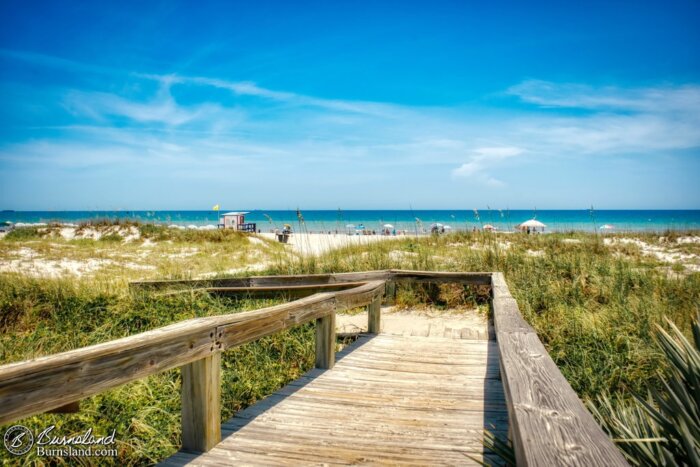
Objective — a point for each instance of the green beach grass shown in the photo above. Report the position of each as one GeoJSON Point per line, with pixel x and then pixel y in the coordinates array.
{"type": "Point", "coordinates": [594, 305]}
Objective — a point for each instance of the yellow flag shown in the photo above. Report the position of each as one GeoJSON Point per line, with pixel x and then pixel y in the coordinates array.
{"type": "Point", "coordinates": [216, 207]}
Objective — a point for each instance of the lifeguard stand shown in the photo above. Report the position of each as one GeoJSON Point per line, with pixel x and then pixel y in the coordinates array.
{"type": "Point", "coordinates": [236, 221]}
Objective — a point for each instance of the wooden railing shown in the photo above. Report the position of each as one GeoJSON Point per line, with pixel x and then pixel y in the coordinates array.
{"type": "Point", "coordinates": [548, 423]}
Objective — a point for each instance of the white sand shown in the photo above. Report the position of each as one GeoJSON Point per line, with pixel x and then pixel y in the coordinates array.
{"type": "Point", "coordinates": [128, 234]}
{"type": "Point", "coordinates": [316, 244]}
{"type": "Point", "coordinates": [663, 253]}
{"type": "Point", "coordinates": [429, 323]}
{"type": "Point", "coordinates": [40, 267]}
{"type": "Point", "coordinates": [30, 262]}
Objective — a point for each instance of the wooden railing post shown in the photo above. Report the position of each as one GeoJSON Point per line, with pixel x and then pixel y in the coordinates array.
{"type": "Point", "coordinates": [374, 315]}
{"type": "Point", "coordinates": [325, 342]}
{"type": "Point", "coordinates": [201, 399]}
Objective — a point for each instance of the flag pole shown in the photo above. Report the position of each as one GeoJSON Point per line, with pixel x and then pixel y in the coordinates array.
{"type": "Point", "coordinates": [218, 215]}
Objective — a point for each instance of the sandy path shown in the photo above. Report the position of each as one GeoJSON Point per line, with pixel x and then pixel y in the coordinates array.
{"type": "Point", "coordinates": [316, 244]}
{"type": "Point", "coordinates": [464, 325]}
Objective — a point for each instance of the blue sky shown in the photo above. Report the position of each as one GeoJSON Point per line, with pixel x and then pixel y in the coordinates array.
{"type": "Point", "coordinates": [274, 105]}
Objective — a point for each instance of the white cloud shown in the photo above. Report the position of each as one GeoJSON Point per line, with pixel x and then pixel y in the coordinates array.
{"type": "Point", "coordinates": [162, 108]}
{"type": "Point", "coordinates": [614, 120]}
{"type": "Point", "coordinates": [655, 100]}
{"type": "Point", "coordinates": [483, 159]}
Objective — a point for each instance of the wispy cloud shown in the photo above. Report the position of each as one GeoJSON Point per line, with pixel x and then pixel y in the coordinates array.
{"type": "Point", "coordinates": [161, 108]}
{"type": "Point", "coordinates": [485, 158]}
{"type": "Point", "coordinates": [248, 88]}
{"type": "Point", "coordinates": [655, 100]}
{"type": "Point", "coordinates": [617, 120]}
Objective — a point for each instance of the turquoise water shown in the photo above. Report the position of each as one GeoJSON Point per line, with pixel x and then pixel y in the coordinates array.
{"type": "Point", "coordinates": [332, 220]}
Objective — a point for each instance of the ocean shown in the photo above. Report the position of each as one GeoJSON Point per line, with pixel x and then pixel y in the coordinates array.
{"type": "Point", "coordinates": [400, 220]}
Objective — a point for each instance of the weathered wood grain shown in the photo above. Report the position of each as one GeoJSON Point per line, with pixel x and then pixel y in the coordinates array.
{"type": "Point", "coordinates": [265, 281]}
{"type": "Point", "coordinates": [374, 315]}
{"type": "Point", "coordinates": [325, 418]}
{"type": "Point", "coordinates": [549, 423]}
{"type": "Point", "coordinates": [325, 342]}
{"type": "Point", "coordinates": [359, 296]}
{"type": "Point", "coordinates": [247, 327]}
{"type": "Point", "coordinates": [280, 290]}
{"type": "Point", "coordinates": [201, 411]}
{"type": "Point", "coordinates": [42, 384]}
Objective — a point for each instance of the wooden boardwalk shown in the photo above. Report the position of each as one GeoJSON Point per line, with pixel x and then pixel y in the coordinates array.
{"type": "Point", "coordinates": [391, 399]}
{"type": "Point", "coordinates": [388, 400]}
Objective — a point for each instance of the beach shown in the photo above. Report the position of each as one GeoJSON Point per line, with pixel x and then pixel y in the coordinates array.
{"type": "Point", "coordinates": [319, 243]}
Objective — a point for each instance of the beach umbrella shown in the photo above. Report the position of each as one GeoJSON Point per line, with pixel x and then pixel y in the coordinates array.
{"type": "Point", "coordinates": [489, 227]}
{"type": "Point", "coordinates": [437, 224]}
{"type": "Point", "coordinates": [388, 226]}
{"type": "Point", "coordinates": [606, 227]}
{"type": "Point", "coordinates": [448, 227]}
{"type": "Point", "coordinates": [533, 224]}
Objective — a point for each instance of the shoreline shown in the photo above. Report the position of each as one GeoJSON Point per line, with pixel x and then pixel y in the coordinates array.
{"type": "Point", "coordinates": [411, 221]}
{"type": "Point", "coordinates": [402, 232]}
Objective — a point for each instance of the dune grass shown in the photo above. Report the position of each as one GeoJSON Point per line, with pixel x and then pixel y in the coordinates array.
{"type": "Point", "coordinates": [662, 428]}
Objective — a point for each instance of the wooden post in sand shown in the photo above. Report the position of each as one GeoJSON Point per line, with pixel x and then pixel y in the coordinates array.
{"type": "Point", "coordinates": [374, 313]}
{"type": "Point", "coordinates": [201, 396]}
{"type": "Point", "coordinates": [325, 342]}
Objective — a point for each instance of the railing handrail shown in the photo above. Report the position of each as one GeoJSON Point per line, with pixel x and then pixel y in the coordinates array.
{"type": "Point", "coordinates": [477, 278]}
{"type": "Point", "coordinates": [549, 425]}
{"type": "Point", "coordinates": [41, 384]}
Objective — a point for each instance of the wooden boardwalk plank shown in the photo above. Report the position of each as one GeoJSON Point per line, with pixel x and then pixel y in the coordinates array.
{"type": "Point", "coordinates": [389, 400]}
